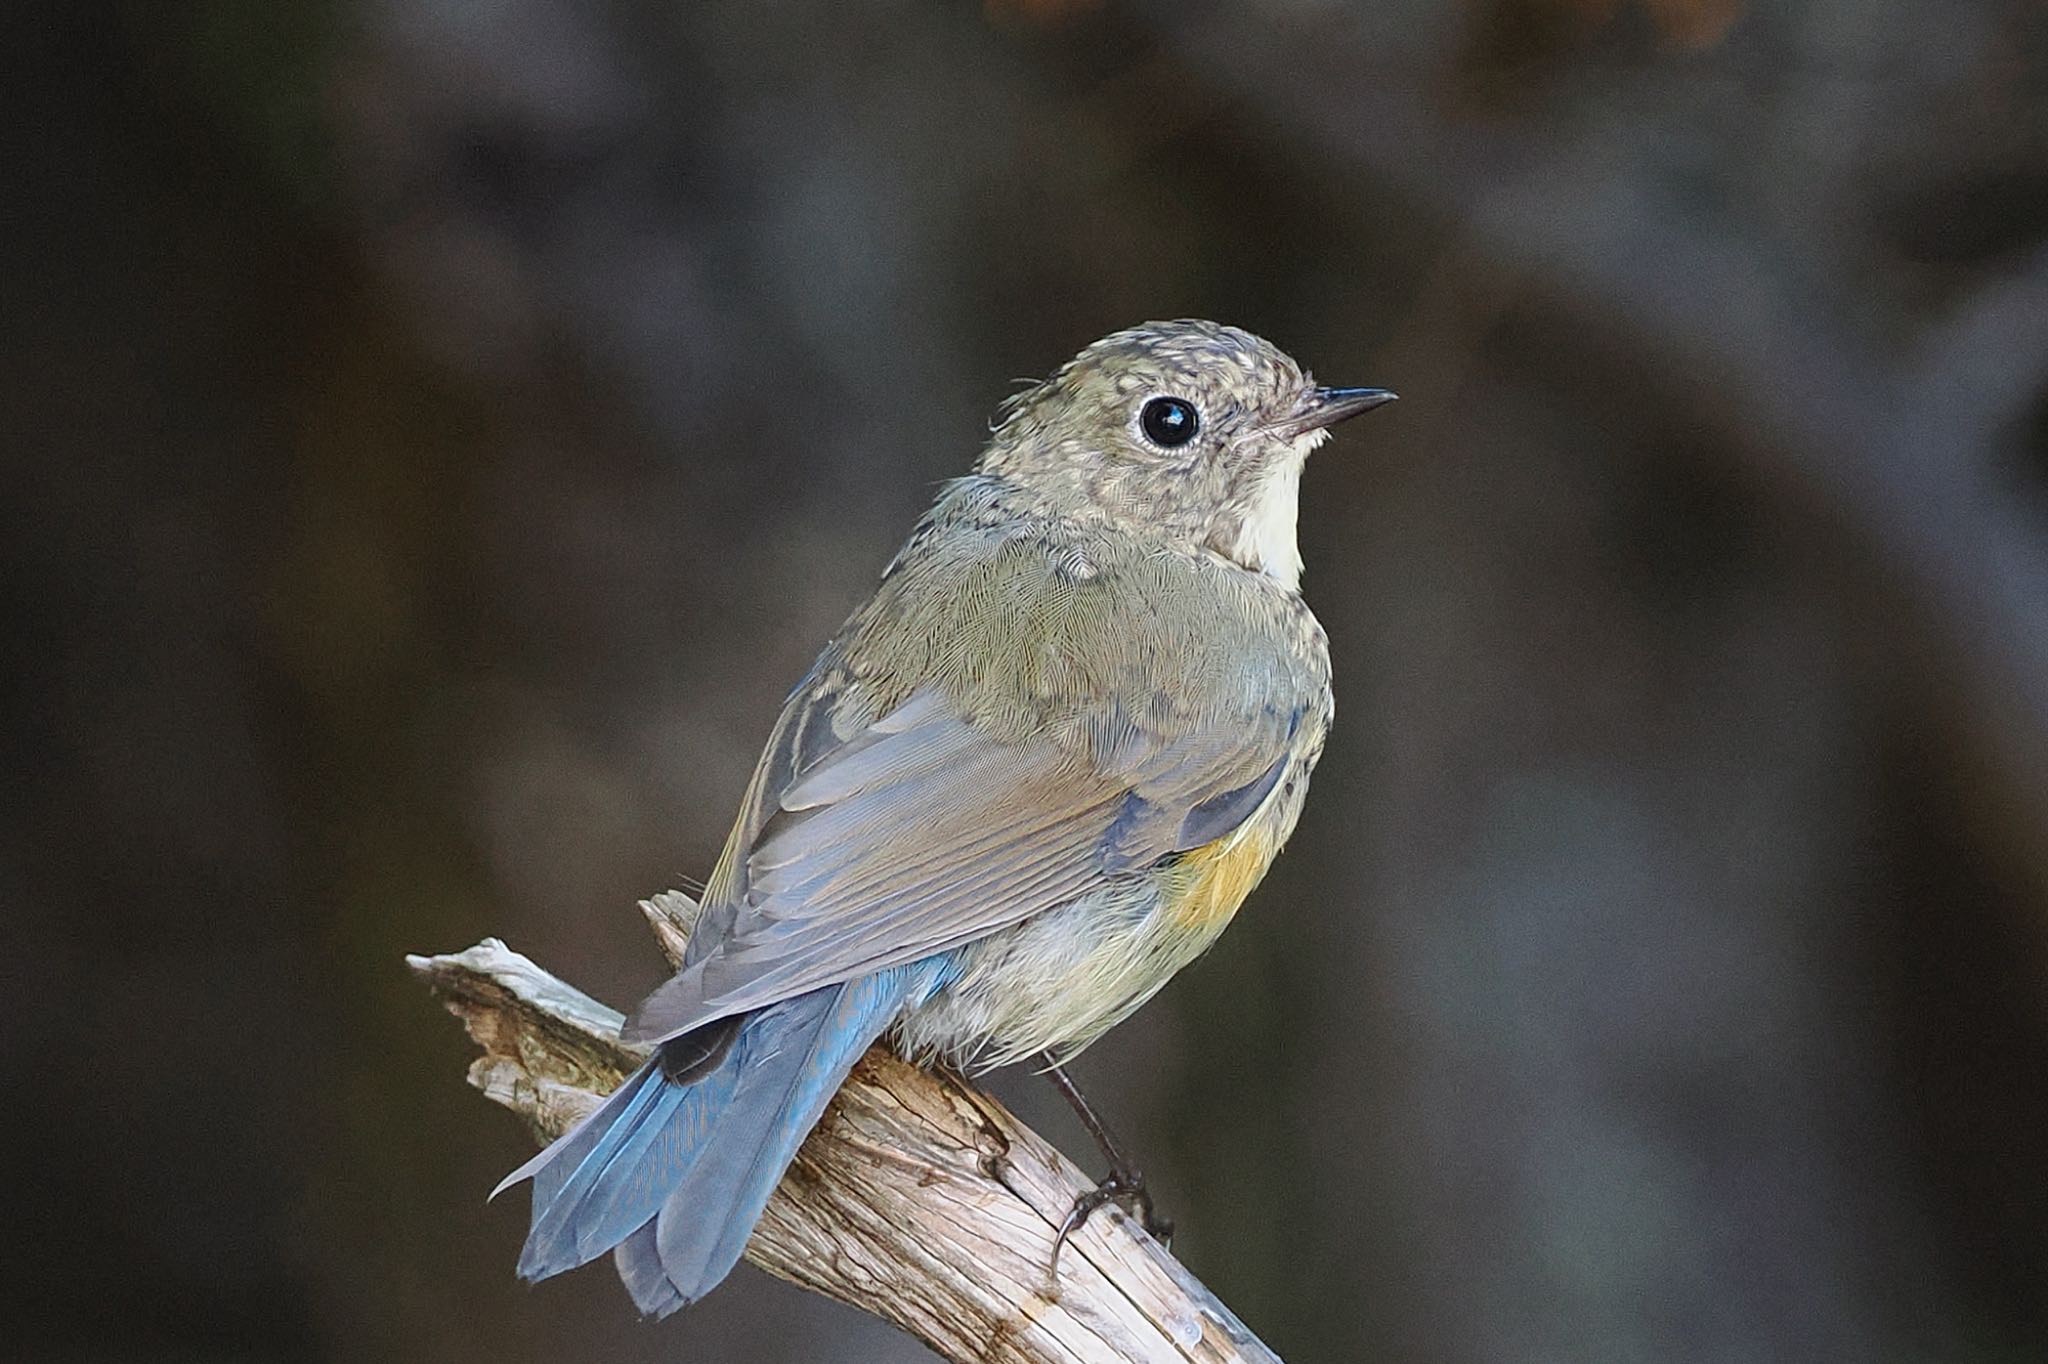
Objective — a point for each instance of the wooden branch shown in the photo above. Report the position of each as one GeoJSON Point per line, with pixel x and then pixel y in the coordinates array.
{"type": "Point", "coordinates": [918, 1198]}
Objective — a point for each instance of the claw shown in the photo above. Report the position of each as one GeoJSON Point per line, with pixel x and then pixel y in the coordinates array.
{"type": "Point", "coordinates": [1124, 1188]}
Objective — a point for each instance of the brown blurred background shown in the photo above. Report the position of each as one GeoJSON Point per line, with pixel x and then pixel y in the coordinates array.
{"type": "Point", "coordinates": [439, 431]}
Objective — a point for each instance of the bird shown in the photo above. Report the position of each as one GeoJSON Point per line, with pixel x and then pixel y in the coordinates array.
{"type": "Point", "coordinates": [1033, 776]}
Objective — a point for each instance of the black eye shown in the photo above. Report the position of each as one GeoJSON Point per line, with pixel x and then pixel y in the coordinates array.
{"type": "Point", "coordinates": [1169, 421]}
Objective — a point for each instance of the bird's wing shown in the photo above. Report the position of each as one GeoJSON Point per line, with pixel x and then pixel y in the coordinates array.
{"type": "Point", "coordinates": [993, 736]}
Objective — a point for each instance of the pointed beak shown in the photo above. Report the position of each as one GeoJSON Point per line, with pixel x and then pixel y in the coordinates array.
{"type": "Point", "coordinates": [1327, 406]}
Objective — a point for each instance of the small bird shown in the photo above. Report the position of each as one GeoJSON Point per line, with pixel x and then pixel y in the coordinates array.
{"type": "Point", "coordinates": [1031, 778]}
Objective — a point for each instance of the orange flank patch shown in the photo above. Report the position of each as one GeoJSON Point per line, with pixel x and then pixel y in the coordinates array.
{"type": "Point", "coordinates": [1212, 881]}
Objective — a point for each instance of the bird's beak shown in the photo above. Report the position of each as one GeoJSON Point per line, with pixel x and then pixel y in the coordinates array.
{"type": "Point", "coordinates": [1326, 407]}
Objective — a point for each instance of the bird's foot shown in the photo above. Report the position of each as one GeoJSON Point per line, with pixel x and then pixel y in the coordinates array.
{"type": "Point", "coordinates": [1126, 1189]}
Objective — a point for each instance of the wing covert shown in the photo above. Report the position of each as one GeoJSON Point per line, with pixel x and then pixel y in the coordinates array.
{"type": "Point", "coordinates": [889, 821]}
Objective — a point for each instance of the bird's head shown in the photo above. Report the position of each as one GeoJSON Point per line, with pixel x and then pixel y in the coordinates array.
{"type": "Point", "coordinates": [1191, 431]}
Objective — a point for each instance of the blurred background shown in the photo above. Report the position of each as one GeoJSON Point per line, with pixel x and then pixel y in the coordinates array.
{"type": "Point", "coordinates": [438, 432]}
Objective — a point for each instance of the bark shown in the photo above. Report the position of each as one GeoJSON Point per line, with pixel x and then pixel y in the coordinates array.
{"type": "Point", "coordinates": [918, 1198]}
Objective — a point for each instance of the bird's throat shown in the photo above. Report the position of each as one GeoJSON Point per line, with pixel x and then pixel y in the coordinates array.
{"type": "Point", "coordinates": [1259, 532]}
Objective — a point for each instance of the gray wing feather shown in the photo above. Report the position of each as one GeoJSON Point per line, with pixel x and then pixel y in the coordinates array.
{"type": "Point", "coordinates": [874, 836]}
{"type": "Point", "coordinates": [935, 835]}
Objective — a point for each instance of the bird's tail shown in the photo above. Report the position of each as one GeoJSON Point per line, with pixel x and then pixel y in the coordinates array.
{"type": "Point", "coordinates": [673, 1171]}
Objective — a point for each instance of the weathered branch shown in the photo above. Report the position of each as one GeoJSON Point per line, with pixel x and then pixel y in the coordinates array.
{"type": "Point", "coordinates": [918, 1198]}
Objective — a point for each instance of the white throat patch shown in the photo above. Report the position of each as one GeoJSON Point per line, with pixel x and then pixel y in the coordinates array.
{"type": "Point", "coordinates": [1266, 536]}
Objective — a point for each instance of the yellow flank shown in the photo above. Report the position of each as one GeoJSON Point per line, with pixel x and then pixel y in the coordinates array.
{"type": "Point", "coordinates": [1212, 881]}
{"type": "Point", "coordinates": [1061, 980]}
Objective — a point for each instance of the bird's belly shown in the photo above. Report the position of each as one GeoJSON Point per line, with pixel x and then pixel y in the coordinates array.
{"type": "Point", "coordinates": [1060, 980]}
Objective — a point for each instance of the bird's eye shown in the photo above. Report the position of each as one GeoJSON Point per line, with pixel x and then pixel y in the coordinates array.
{"type": "Point", "coordinates": [1169, 421]}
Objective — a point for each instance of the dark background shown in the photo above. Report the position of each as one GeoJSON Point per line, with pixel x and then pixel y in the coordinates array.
{"type": "Point", "coordinates": [438, 432]}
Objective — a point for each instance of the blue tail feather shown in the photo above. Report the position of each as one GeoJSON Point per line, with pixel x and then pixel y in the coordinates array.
{"type": "Point", "coordinates": [703, 1228]}
{"type": "Point", "coordinates": [674, 1176]}
{"type": "Point", "coordinates": [551, 1244]}
{"type": "Point", "coordinates": [649, 1162]}
{"type": "Point", "coordinates": [639, 1262]}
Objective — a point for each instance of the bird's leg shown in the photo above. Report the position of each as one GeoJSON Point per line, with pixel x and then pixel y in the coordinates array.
{"type": "Point", "coordinates": [1123, 1185]}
